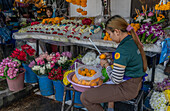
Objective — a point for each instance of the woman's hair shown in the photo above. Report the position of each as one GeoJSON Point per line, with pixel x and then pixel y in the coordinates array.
{"type": "Point", "coordinates": [117, 22]}
{"type": "Point", "coordinates": [50, 9]}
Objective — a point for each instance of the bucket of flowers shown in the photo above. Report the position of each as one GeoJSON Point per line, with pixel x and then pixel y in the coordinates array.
{"type": "Point", "coordinates": [42, 66]}
{"type": "Point", "coordinates": [63, 63]}
{"type": "Point", "coordinates": [11, 71]}
{"type": "Point", "coordinates": [26, 55]}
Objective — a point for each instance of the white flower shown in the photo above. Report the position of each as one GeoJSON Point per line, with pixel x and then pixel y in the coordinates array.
{"type": "Point", "coordinates": [36, 68]}
{"type": "Point", "coordinates": [89, 58]}
{"type": "Point", "coordinates": [140, 18]}
{"type": "Point", "coordinates": [147, 20]}
{"type": "Point", "coordinates": [48, 66]}
{"type": "Point", "coordinates": [62, 60]}
{"type": "Point", "coordinates": [42, 70]}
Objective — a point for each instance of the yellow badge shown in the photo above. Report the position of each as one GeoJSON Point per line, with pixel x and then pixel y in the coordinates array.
{"type": "Point", "coordinates": [117, 55]}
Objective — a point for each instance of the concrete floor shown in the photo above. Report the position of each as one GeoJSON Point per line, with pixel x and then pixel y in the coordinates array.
{"type": "Point", "coordinates": [35, 103]}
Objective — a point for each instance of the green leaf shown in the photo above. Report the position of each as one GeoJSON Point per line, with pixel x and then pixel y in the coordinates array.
{"type": "Point", "coordinates": [143, 37]}
{"type": "Point", "coordinates": [158, 22]}
{"type": "Point", "coordinates": [149, 38]}
{"type": "Point", "coordinates": [154, 40]}
{"type": "Point", "coordinates": [167, 28]}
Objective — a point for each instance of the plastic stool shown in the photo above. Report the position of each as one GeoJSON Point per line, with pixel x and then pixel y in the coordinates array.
{"type": "Point", "coordinates": [135, 104]}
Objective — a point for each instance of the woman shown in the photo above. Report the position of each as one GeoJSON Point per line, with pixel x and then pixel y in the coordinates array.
{"type": "Point", "coordinates": [49, 12]}
{"type": "Point", "coordinates": [48, 48]}
{"type": "Point", "coordinates": [129, 62]}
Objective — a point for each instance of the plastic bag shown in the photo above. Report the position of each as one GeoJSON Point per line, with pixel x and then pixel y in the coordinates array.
{"type": "Point", "coordinates": [95, 76]}
{"type": "Point", "coordinates": [165, 50]}
{"type": "Point", "coordinates": [159, 74]}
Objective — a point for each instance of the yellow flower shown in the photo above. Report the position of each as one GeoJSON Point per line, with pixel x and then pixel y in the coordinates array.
{"type": "Point", "coordinates": [65, 81]}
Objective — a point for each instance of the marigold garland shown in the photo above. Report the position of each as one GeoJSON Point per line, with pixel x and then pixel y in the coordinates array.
{"type": "Point", "coordinates": [162, 7]}
{"type": "Point", "coordinates": [82, 3]}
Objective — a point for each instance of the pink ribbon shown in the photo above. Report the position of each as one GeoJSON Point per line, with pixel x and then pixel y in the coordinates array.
{"type": "Point", "coordinates": [129, 28]}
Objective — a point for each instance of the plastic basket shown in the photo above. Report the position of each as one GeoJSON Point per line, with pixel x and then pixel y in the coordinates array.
{"type": "Point", "coordinates": [78, 87]}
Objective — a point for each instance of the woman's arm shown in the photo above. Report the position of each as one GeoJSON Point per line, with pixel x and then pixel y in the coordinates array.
{"type": "Point", "coordinates": [116, 74]}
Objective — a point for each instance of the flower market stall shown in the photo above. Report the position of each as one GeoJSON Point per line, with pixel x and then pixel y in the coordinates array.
{"type": "Point", "coordinates": [66, 74]}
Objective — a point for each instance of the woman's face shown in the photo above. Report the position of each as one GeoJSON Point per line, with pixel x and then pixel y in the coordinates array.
{"type": "Point", "coordinates": [114, 36]}
{"type": "Point", "coordinates": [49, 13]}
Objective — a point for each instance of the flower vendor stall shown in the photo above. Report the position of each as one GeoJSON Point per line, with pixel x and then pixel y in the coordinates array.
{"type": "Point", "coordinates": [69, 69]}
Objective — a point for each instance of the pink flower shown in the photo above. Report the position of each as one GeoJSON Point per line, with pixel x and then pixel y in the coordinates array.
{"type": "Point", "coordinates": [54, 59]}
{"type": "Point", "coordinates": [57, 55]}
{"type": "Point", "coordinates": [150, 14]}
{"type": "Point", "coordinates": [11, 77]}
{"type": "Point", "coordinates": [142, 14]}
{"type": "Point", "coordinates": [31, 64]}
{"type": "Point", "coordinates": [52, 65]}
{"type": "Point", "coordinates": [1, 74]}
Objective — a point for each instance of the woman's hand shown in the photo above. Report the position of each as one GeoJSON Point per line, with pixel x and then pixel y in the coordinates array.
{"type": "Point", "coordinates": [108, 55]}
{"type": "Point", "coordinates": [104, 63]}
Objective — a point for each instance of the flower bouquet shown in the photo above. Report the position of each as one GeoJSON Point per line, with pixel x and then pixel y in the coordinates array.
{"type": "Point", "coordinates": [56, 74]}
{"type": "Point", "coordinates": [148, 25]}
{"type": "Point", "coordinates": [26, 55]}
{"type": "Point", "coordinates": [44, 63]}
{"type": "Point", "coordinates": [160, 98]}
{"type": "Point", "coordinates": [64, 60]}
{"type": "Point", "coordinates": [10, 70]}
{"type": "Point", "coordinates": [149, 34]}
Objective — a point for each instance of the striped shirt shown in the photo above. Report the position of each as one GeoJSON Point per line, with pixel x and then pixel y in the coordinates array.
{"type": "Point", "coordinates": [116, 74]}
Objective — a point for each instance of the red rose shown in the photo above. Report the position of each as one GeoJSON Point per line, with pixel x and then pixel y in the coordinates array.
{"type": "Point", "coordinates": [17, 50]}
{"type": "Point", "coordinates": [31, 52]}
{"type": "Point", "coordinates": [25, 47]}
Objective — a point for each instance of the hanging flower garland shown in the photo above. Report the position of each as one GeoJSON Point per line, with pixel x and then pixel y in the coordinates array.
{"type": "Point", "coordinates": [82, 3]}
{"type": "Point", "coordinates": [163, 7]}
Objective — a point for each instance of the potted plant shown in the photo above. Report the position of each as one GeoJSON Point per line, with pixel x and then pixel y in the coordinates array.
{"type": "Point", "coordinates": [11, 71]}
{"type": "Point", "coordinates": [26, 55]}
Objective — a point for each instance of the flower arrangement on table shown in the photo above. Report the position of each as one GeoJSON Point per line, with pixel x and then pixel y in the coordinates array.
{"type": "Point", "coordinates": [160, 98]}
{"type": "Point", "coordinates": [9, 68]}
{"type": "Point", "coordinates": [150, 33]}
{"type": "Point", "coordinates": [148, 25]}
